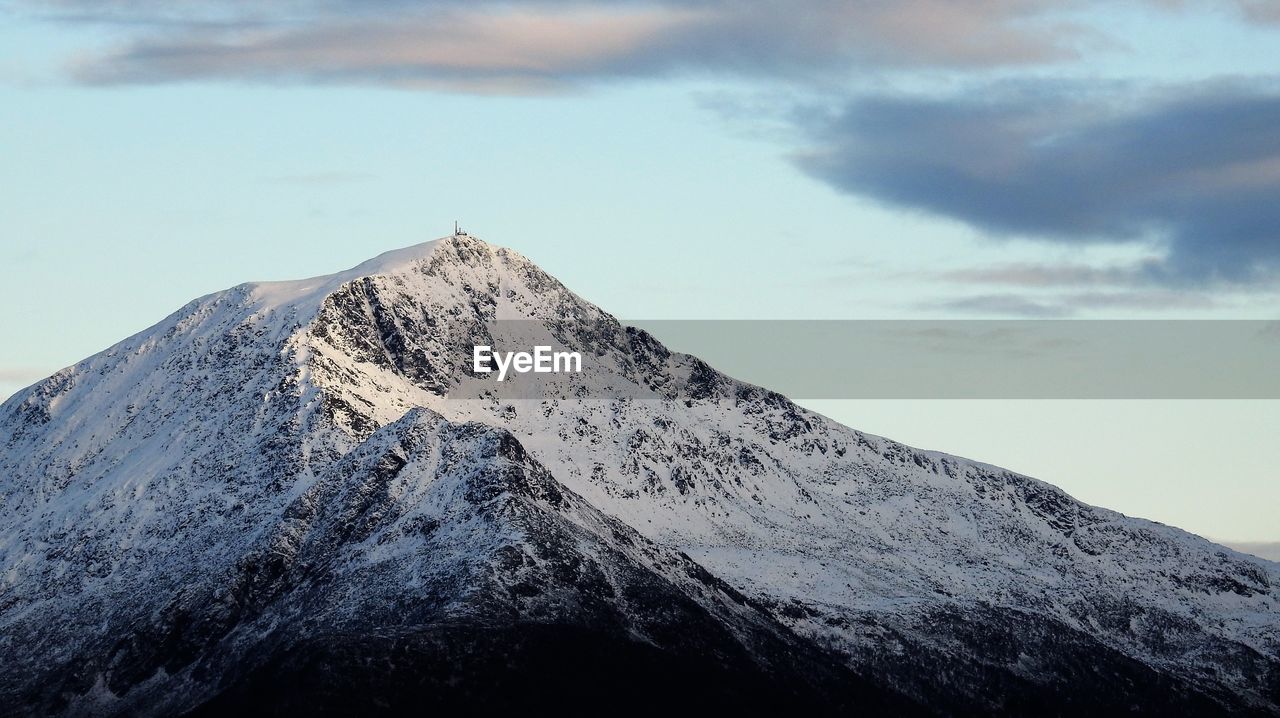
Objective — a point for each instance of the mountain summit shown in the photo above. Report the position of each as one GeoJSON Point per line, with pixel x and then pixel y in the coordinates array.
{"type": "Point", "coordinates": [285, 497]}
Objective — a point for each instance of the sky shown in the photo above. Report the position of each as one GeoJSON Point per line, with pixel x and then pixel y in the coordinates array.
{"type": "Point", "coordinates": [684, 159]}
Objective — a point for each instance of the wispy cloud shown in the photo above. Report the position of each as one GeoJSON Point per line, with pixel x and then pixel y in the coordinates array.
{"type": "Point", "coordinates": [1037, 275]}
{"type": "Point", "coordinates": [512, 50]}
{"type": "Point", "coordinates": [1151, 299]}
{"type": "Point", "coordinates": [1070, 303]}
{"type": "Point", "coordinates": [1195, 170]}
{"type": "Point", "coordinates": [1262, 11]}
{"type": "Point", "coordinates": [1001, 305]}
{"type": "Point", "coordinates": [550, 44]}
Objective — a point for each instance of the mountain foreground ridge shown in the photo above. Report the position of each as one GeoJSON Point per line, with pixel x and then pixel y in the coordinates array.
{"type": "Point", "coordinates": [288, 496]}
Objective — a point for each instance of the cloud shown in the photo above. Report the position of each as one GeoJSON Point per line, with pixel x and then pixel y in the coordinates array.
{"type": "Point", "coordinates": [534, 46]}
{"type": "Point", "coordinates": [1033, 275]}
{"type": "Point", "coordinates": [553, 44]}
{"type": "Point", "coordinates": [1002, 305]}
{"type": "Point", "coordinates": [1195, 170]}
{"type": "Point", "coordinates": [1260, 11]}
{"type": "Point", "coordinates": [1140, 299]}
{"type": "Point", "coordinates": [1068, 304]}
{"type": "Point", "coordinates": [516, 50]}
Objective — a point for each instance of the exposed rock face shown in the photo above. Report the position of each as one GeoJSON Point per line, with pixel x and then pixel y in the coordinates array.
{"type": "Point", "coordinates": [276, 500]}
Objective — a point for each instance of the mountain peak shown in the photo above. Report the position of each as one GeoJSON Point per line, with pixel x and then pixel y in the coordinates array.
{"type": "Point", "coordinates": [282, 447]}
{"type": "Point", "coordinates": [404, 258]}
{"type": "Point", "coordinates": [306, 294]}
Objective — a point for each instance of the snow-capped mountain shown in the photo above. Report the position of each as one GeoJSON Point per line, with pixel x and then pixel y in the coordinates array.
{"type": "Point", "coordinates": [292, 496]}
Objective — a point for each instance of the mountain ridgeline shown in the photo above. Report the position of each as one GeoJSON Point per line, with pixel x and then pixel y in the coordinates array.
{"type": "Point", "coordinates": [283, 498]}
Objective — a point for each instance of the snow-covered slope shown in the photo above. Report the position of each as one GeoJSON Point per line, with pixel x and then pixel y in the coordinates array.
{"type": "Point", "coordinates": [287, 464]}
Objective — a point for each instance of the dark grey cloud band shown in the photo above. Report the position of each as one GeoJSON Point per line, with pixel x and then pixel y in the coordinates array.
{"type": "Point", "coordinates": [1195, 172]}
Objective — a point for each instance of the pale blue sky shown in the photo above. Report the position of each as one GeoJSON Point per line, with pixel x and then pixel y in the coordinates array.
{"type": "Point", "coordinates": [649, 156]}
